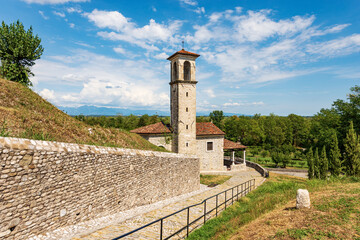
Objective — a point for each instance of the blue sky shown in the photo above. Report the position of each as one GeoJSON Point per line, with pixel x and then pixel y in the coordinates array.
{"type": "Point", "coordinates": [257, 56]}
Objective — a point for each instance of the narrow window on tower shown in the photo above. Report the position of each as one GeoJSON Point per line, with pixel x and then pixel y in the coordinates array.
{"type": "Point", "coordinates": [187, 94]}
{"type": "Point", "coordinates": [187, 109]}
{"type": "Point", "coordinates": [209, 146]}
{"type": "Point", "coordinates": [187, 144]}
{"type": "Point", "coordinates": [187, 126]}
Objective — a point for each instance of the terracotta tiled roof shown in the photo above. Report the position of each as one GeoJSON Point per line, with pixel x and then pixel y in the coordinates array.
{"type": "Point", "coordinates": [182, 51]}
{"type": "Point", "coordinates": [207, 128]}
{"type": "Point", "coordinates": [232, 145]}
{"type": "Point", "coordinates": [156, 128]}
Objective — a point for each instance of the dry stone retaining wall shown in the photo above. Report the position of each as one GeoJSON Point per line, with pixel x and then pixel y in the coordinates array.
{"type": "Point", "coordinates": [47, 185]}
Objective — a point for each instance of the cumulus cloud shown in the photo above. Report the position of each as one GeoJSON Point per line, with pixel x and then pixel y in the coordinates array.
{"type": "Point", "coordinates": [48, 94]}
{"type": "Point", "coordinates": [53, 1]}
{"type": "Point", "coordinates": [253, 47]}
{"type": "Point", "coordinates": [126, 30]}
{"type": "Point", "coordinates": [93, 79]}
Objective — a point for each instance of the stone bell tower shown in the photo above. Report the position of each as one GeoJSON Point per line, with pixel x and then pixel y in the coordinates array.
{"type": "Point", "coordinates": [183, 101]}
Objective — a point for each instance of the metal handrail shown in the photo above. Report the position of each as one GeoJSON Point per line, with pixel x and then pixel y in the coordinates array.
{"type": "Point", "coordinates": [248, 187]}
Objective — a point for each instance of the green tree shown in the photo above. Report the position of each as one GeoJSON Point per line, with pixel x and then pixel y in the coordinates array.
{"type": "Point", "coordinates": [144, 120]}
{"type": "Point", "coordinates": [310, 162]}
{"type": "Point", "coordinates": [334, 156]}
{"type": "Point", "coordinates": [217, 117]}
{"type": "Point", "coordinates": [18, 51]}
{"type": "Point", "coordinates": [276, 158]}
{"type": "Point", "coordinates": [285, 159]}
{"type": "Point", "coordinates": [316, 164]}
{"type": "Point", "coordinates": [352, 152]}
{"type": "Point", "coordinates": [324, 165]}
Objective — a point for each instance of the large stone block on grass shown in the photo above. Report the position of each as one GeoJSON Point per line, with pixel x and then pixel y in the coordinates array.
{"type": "Point", "coordinates": [302, 199]}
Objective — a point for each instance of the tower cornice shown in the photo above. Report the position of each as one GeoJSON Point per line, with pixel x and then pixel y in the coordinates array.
{"type": "Point", "coordinates": [183, 81]}
{"type": "Point", "coordinates": [183, 52]}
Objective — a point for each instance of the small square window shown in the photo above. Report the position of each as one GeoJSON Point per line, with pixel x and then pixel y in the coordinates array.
{"type": "Point", "coordinates": [209, 146]}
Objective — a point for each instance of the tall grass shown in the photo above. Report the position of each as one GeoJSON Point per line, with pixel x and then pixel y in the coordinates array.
{"type": "Point", "coordinates": [275, 192]}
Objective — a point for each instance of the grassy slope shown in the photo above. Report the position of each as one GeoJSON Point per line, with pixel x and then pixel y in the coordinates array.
{"type": "Point", "coordinates": [254, 214]}
{"type": "Point", "coordinates": [213, 180]}
{"type": "Point", "coordinates": [24, 114]}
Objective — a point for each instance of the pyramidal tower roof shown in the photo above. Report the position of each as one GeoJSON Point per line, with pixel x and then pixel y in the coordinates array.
{"type": "Point", "coordinates": [183, 52]}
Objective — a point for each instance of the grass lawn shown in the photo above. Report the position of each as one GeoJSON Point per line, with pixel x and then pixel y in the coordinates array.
{"type": "Point", "coordinates": [213, 180]}
{"type": "Point", "coordinates": [269, 212]}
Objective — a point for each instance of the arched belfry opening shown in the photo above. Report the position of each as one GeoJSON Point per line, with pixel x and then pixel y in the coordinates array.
{"type": "Point", "coordinates": [175, 75]}
{"type": "Point", "coordinates": [187, 71]}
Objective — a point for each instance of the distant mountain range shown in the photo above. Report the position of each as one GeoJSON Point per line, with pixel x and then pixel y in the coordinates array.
{"type": "Point", "coordinates": [106, 111]}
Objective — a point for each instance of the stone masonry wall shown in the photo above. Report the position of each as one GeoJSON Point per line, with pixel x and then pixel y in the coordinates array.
{"type": "Point", "coordinates": [47, 185]}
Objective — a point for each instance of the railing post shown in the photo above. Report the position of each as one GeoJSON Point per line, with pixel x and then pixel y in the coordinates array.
{"type": "Point", "coordinates": [217, 204]}
{"type": "Point", "coordinates": [188, 220]}
{"type": "Point", "coordinates": [161, 229]}
{"type": "Point", "coordinates": [204, 211]}
{"type": "Point", "coordinates": [232, 196]}
{"type": "Point", "coordinates": [237, 192]}
{"type": "Point", "coordinates": [225, 198]}
{"type": "Point", "coordinates": [242, 190]}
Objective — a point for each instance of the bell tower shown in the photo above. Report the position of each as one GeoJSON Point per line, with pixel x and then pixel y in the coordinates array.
{"type": "Point", "coordinates": [183, 101]}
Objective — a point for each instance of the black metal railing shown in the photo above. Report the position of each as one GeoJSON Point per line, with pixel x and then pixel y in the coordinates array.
{"type": "Point", "coordinates": [207, 213]}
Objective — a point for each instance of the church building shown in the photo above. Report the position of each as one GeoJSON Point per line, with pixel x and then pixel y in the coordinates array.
{"type": "Point", "coordinates": [185, 135]}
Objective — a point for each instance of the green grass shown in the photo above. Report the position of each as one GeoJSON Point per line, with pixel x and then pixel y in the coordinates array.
{"type": "Point", "coordinates": [213, 180]}
{"type": "Point", "coordinates": [275, 192]}
{"type": "Point", "coordinates": [24, 114]}
{"type": "Point", "coordinates": [267, 162]}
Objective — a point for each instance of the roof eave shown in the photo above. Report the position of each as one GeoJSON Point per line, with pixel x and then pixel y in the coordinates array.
{"type": "Point", "coordinates": [188, 54]}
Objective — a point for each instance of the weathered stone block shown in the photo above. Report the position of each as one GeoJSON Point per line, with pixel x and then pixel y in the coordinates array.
{"type": "Point", "coordinates": [302, 199]}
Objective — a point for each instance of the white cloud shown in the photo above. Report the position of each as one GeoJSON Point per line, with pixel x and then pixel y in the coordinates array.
{"type": "Point", "coordinates": [93, 79]}
{"type": "Point", "coordinates": [257, 26]}
{"type": "Point", "coordinates": [60, 14]}
{"type": "Point", "coordinates": [189, 2]}
{"type": "Point", "coordinates": [43, 15]}
{"type": "Point", "coordinates": [72, 25]}
{"type": "Point", "coordinates": [161, 56]}
{"type": "Point", "coordinates": [153, 9]}
{"type": "Point", "coordinates": [108, 19]}
{"type": "Point", "coordinates": [125, 30]}
{"type": "Point", "coordinates": [336, 47]}
{"type": "Point", "coordinates": [199, 10]}
{"type": "Point", "coordinates": [237, 104]}
{"type": "Point", "coordinates": [84, 44]}
{"type": "Point", "coordinates": [210, 92]}
{"type": "Point", "coordinates": [73, 10]}
{"type": "Point", "coordinates": [53, 1]}
{"type": "Point", "coordinates": [47, 94]}
{"type": "Point", "coordinates": [119, 50]}
{"type": "Point", "coordinates": [253, 47]}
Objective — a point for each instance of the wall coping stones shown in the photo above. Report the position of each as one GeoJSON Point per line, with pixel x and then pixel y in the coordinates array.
{"type": "Point", "coordinates": [29, 144]}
